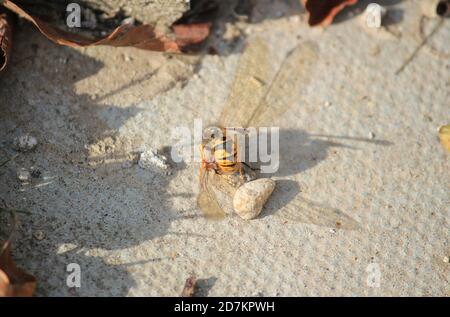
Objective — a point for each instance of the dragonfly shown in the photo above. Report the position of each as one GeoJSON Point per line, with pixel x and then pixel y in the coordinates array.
{"type": "Point", "coordinates": [257, 97]}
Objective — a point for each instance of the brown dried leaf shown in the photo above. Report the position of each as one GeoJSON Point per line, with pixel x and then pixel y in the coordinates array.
{"type": "Point", "coordinates": [141, 36]}
{"type": "Point", "coordinates": [189, 287]}
{"type": "Point", "coordinates": [14, 282]}
{"type": "Point", "coordinates": [322, 12]}
{"type": "Point", "coordinates": [5, 37]}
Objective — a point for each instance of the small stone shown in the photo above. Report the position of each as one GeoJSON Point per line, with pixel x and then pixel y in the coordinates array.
{"type": "Point", "coordinates": [373, 16]}
{"type": "Point", "coordinates": [150, 159]}
{"type": "Point", "coordinates": [251, 197]}
{"type": "Point", "coordinates": [39, 235]}
{"type": "Point", "coordinates": [126, 58]}
{"type": "Point", "coordinates": [128, 21]}
{"type": "Point", "coordinates": [446, 259]}
{"type": "Point", "coordinates": [23, 175]}
{"type": "Point", "coordinates": [372, 135]}
{"type": "Point", "coordinates": [104, 16]}
{"type": "Point", "coordinates": [35, 172]}
{"type": "Point", "coordinates": [25, 143]}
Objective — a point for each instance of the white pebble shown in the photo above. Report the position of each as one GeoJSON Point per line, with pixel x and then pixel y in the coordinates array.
{"type": "Point", "coordinates": [150, 159]}
{"type": "Point", "coordinates": [446, 259]}
{"type": "Point", "coordinates": [23, 175]}
{"type": "Point", "coordinates": [128, 21]}
{"type": "Point", "coordinates": [373, 15]}
{"type": "Point", "coordinates": [25, 143]}
{"type": "Point", "coordinates": [251, 197]}
{"type": "Point", "coordinates": [126, 57]}
{"type": "Point", "coordinates": [39, 235]}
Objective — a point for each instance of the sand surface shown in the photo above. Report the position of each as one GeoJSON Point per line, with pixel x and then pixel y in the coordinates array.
{"type": "Point", "coordinates": [362, 191]}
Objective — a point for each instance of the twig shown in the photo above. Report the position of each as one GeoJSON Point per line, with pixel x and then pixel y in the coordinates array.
{"type": "Point", "coordinates": [8, 159]}
{"type": "Point", "coordinates": [16, 211]}
{"type": "Point", "coordinates": [422, 43]}
{"type": "Point", "coordinates": [432, 48]}
{"type": "Point", "coordinates": [13, 230]}
{"type": "Point", "coordinates": [15, 219]}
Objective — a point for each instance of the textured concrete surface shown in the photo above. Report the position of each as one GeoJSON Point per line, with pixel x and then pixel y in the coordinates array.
{"type": "Point", "coordinates": [363, 186]}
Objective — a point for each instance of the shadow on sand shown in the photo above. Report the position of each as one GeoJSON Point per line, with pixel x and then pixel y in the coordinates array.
{"type": "Point", "coordinates": [111, 222]}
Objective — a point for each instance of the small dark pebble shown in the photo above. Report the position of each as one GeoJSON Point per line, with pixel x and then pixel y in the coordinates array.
{"type": "Point", "coordinates": [35, 173]}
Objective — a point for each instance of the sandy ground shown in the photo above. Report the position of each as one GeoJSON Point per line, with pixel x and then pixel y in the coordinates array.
{"type": "Point", "coordinates": [358, 147]}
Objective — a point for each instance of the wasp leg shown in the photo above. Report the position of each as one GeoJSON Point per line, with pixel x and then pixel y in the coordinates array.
{"type": "Point", "coordinates": [247, 173]}
{"type": "Point", "coordinates": [252, 168]}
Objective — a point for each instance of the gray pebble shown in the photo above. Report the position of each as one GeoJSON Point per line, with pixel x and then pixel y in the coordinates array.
{"type": "Point", "coordinates": [23, 175]}
{"type": "Point", "coordinates": [25, 143]}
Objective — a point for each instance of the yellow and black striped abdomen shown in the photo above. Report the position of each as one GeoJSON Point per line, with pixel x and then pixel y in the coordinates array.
{"type": "Point", "coordinates": [225, 155]}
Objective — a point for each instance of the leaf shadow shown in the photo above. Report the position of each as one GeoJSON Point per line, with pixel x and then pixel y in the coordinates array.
{"type": "Point", "coordinates": [86, 207]}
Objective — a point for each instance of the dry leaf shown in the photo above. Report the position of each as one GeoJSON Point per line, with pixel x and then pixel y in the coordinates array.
{"type": "Point", "coordinates": [189, 287]}
{"type": "Point", "coordinates": [5, 37]}
{"type": "Point", "coordinates": [141, 36]}
{"type": "Point", "coordinates": [14, 282]}
{"type": "Point", "coordinates": [322, 12]}
{"type": "Point", "coordinates": [444, 136]}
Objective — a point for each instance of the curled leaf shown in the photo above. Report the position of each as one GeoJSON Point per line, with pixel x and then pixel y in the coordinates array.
{"type": "Point", "coordinates": [189, 287]}
{"type": "Point", "coordinates": [5, 37]}
{"type": "Point", "coordinates": [141, 36]}
{"type": "Point", "coordinates": [14, 282]}
{"type": "Point", "coordinates": [444, 136]}
{"type": "Point", "coordinates": [322, 12]}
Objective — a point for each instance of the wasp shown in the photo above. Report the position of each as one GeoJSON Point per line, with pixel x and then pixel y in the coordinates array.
{"type": "Point", "coordinates": [220, 154]}
{"type": "Point", "coordinates": [257, 97]}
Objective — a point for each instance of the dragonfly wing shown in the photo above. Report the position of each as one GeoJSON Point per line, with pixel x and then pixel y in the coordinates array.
{"type": "Point", "coordinates": [306, 211]}
{"type": "Point", "coordinates": [249, 85]}
{"type": "Point", "coordinates": [292, 77]}
{"type": "Point", "coordinates": [207, 200]}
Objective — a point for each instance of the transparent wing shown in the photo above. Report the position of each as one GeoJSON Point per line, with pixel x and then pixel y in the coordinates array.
{"type": "Point", "coordinates": [292, 77]}
{"type": "Point", "coordinates": [249, 85]}
{"type": "Point", "coordinates": [306, 211]}
{"type": "Point", "coordinates": [207, 200]}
